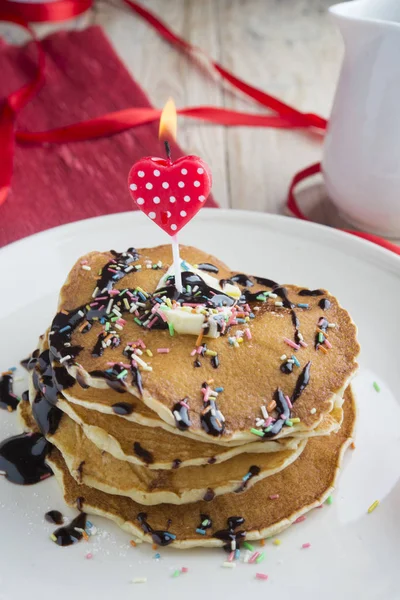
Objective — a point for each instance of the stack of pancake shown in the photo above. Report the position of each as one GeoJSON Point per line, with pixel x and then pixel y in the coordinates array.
{"type": "Point", "coordinates": [194, 417]}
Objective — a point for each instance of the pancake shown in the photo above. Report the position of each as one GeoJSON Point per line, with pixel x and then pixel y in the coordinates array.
{"type": "Point", "coordinates": [304, 485]}
{"type": "Point", "coordinates": [99, 470]}
{"type": "Point", "coordinates": [151, 447]}
{"type": "Point", "coordinates": [162, 450]}
{"type": "Point", "coordinates": [251, 373]}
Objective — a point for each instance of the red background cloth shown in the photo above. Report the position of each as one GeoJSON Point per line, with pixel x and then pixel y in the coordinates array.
{"type": "Point", "coordinates": [58, 184]}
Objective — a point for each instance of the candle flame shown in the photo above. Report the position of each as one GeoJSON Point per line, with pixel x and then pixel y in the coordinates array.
{"type": "Point", "coordinates": [168, 122]}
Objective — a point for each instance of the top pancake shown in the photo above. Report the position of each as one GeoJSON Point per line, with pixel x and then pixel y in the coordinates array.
{"type": "Point", "coordinates": [250, 374]}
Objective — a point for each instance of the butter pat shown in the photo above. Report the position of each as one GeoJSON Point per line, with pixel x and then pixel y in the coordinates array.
{"type": "Point", "coordinates": [187, 322]}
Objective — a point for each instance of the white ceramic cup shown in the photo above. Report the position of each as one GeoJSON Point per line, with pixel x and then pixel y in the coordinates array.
{"type": "Point", "coordinates": [361, 162]}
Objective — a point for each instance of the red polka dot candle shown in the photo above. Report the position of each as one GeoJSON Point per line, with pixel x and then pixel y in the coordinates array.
{"type": "Point", "coordinates": [170, 192]}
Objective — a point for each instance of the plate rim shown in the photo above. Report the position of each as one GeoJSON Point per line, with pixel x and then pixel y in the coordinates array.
{"type": "Point", "coordinates": [363, 248]}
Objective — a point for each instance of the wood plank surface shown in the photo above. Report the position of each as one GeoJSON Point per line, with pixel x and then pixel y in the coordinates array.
{"type": "Point", "coordinates": [290, 49]}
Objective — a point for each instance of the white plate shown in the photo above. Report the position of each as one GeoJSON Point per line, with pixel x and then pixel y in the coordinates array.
{"type": "Point", "coordinates": [351, 552]}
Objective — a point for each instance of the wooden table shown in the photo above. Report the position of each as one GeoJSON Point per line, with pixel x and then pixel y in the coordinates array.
{"type": "Point", "coordinates": [288, 48]}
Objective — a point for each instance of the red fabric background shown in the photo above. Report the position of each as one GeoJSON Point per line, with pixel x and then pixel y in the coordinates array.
{"type": "Point", "coordinates": [59, 184]}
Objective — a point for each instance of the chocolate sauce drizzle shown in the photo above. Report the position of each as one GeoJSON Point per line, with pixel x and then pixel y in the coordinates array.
{"type": "Point", "coordinates": [204, 294]}
{"type": "Point", "coordinates": [242, 279]}
{"type": "Point", "coordinates": [287, 367]}
{"type": "Point", "coordinates": [252, 472]}
{"type": "Point", "coordinates": [215, 362]}
{"type": "Point", "coordinates": [208, 267]}
{"type": "Point", "coordinates": [54, 517]}
{"type": "Point", "coordinates": [161, 538]}
{"type": "Point", "coordinates": [283, 412]}
{"type": "Point", "coordinates": [212, 419]}
{"type": "Point", "coordinates": [311, 293]}
{"type": "Point", "coordinates": [72, 533]}
{"type": "Point", "coordinates": [110, 377]}
{"type": "Point", "coordinates": [123, 408]}
{"type": "Point", "coordinates": [46, 415]}
{"type": "Point", "coordinates": [209, 495]}
{"type": "Point", "coordinates": [181, 414]}
{"type": "Point", "coordinates": [142, 453]}
{"type": "Point", "coordinates": [302, 382]}
{"type": "Point", "coordinates": [232, 538]}
{"type": "Point", "coordinates": [30, 362]}
{"type": "Point", "coordinates": [205, 523]}
{"type": "Point", "coordinates": [8, 400]}
{"type": "Point", "coordinates": [65, 322]}
{"type": "Point", "coordinates": [324, 303]}
{"type": "Point", "coordinates": [283, 408]}
{"type": "Point", "coordinates": [22, 458]}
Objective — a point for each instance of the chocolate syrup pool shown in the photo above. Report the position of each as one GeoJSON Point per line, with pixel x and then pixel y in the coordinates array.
{"type": "Point", "coordinates": [22, 458]}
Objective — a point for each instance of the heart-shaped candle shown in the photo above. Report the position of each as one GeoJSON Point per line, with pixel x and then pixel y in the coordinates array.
{"type": "Point", "coordinates": [170, 193]}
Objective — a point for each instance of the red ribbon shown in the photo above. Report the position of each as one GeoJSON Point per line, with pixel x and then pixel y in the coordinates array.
{"type": "Point", "coordinates": [286, 116]}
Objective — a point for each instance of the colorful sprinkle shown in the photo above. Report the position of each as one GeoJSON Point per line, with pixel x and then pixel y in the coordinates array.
{"type": "Point", "coordinates": [262, 576]}
{"type": "Point", "coordinates": [313, 411]}
{"type": "Point", "coordinates": [376, 387]}
{"type": "Point", "coordinates": [171, 329]}
{"type": "Point", "coordinates": [247, 333]}
{"type": "Point", "coordinates": [184, 570]}
{"type": "Point", "coordinates": [200, 531]}
{"type": "Point", "coordinates": [133, 543]}
{"type": "Point", "coordinates": [329, 500]}
{"type": "Point", "coordinates": [257, 432]}
{"type": "Point", "coordinates": [291, 343]}
{"type": "Point", "coordinates": [274, 497]}
{"type": "Point", "coordinates": [248, 546]}
{"type": "Point", "coordinates": [302, 305]}
{"type": "Point", "coordinates": [163, 350]}
{"type": "Point", "coordinates": [306, 545]}
{"type": "Point", "coordinates": [86, 267]}
{"type": "Point", "coordinates": [89, 555]}
{"type": "Point", "coordinates": [277, 542]}
{"type": "Point", "coordinates": [229, 565]}
{"type": "Point", "coordinates": [139, 580]}
{"type": "Point", "coordinates": [373, 506]}
{"type": "Point", "coordinates": [260, 557]}
{"type": "Point", "coordinates": [296, 362]}
{"type": "Point", "coordinates": [300, 519]}
{"type": "Point", "coordinates": [254, 557]}
{"type": "Point", "coordinates": [176, 573]}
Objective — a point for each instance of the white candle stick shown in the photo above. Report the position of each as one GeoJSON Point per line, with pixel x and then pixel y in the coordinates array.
{"type": "Point", "coordinates": [177, 263]}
